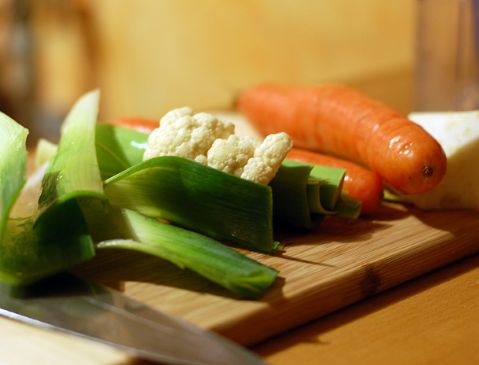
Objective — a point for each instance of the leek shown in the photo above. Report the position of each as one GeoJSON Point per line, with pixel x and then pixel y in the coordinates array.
{"type": "Point", "coordinates": [73, 171]}
{"type": "Point", "coordinates": [56, 237]}
{"type": "Point", "coordinates": [290, 200]}
{"type": "Point", "coordinates": [118, 148]}
{"type": "Point", "coordinates": [303, 194]}
{"type": "Point", "coordinates": [12, 166]}
{"type": "Point", "coordinates": [199, 198]}
{"type": "Point", "coordinates": [187, 249]}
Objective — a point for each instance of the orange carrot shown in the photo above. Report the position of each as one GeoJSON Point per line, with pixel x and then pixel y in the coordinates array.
{"type": "Point", "coordinates": [145, 125]}
{"type": "Point", "coordinates": [360, 183]}
{"type": "Point", "coordinates": [342, 121]}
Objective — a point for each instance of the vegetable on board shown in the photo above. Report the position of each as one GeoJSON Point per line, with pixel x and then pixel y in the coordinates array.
{"type": "Point", "coordinates": [54, 238]}
{"type": "Point", "coordinates": [458, 134]}
{"type": "Point", "coordinates": [360, 183]}
{"type": "Point", "coordinates": [98, 192]}
{"type": "Point", "coordinates": [212, 142]}
{"type": "Point", "coordinates": [199, 198]}
{"type": "Point", "coordinates": [342, 121]}
{"type": "Point", "coordinates": [211, 259]}
{"type": "Point", "coordinates": [72, 210]}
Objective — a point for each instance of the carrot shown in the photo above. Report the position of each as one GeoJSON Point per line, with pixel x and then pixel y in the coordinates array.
{"type": "Point", "coordinates": [360, 183]}
{"type": "Point", "coordinates": [342, 121]}
{"type": "Point", "coordinates": [145, 125]}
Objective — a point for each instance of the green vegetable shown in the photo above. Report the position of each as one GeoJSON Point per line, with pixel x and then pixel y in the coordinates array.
{"type": "Point", "coordinates": [290, 198]}
{"type": "Point", "coordinates": [12, 166]}
{"type": "Point", "coordinates": [348, 207]}
{"type": "Point", "coordinates": [202, 204]}
{"type": "Point", "coordinates": [44, 152]}
{"type": "Point", "coordinates": [303, 194]}
{"type": "Point", "coordinates": [55, 238]}
{"type": "Point", "coordinates": [199, 198]}
{"type": "Point", "coordinates": [209, 258]}
{"type": "Point", "coordinates": [118, 148]}
{"type": "Point", "coordinates": [73, 171]}
{"type": "Point", "coordinates": [331, 182]}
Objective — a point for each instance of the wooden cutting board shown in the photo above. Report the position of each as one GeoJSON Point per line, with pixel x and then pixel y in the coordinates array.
{"type": "Point", "coordinates": [339, 263]}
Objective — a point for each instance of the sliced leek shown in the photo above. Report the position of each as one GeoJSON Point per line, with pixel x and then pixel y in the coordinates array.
{"type": "Point", "coordinates": [187, 249]}
{"type": "Point", "coordinates": [303, 194]}
{"type": "Point", "coordinates": [199, 198]}
{"type": "Point", "coordinates": [55, 238]}
{"type": "Point", "coordinates": [12, 166]}
{"type": "Point", "coordinates": [118, 148]}
{"type": "Point", "coordinates": [74, 168]}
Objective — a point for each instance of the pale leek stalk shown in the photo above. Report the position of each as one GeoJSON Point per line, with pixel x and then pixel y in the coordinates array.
{"type": "Point", "coordinates": [187, 249]}
{"type": "Point", "coordinates": [56, 238]}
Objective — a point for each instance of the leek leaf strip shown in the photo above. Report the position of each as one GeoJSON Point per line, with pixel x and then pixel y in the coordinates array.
{"type": "Point", "coordinates": [199, 198]}
{"type": "Point", "coordinates": [187, 249]}
{"type": "Point", "coordinates": [56, 237]}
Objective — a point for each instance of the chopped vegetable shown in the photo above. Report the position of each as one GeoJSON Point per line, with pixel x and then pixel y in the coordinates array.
{"type": "Point", "coordinates": [56, 238]}
{"type": "Point", "coordinates": [186, 135]}
{"type": "Point", "coordinates": [267, 158]}
{"type": "Point", "coordinates": [12, 166]}
{"type": "Point", "coordinates": [458, 134]}
{"type": "Point", "coordinates": [209, 258]}
{"type": "Point", "coordinates": [118, 148]}
{"type": "Point", "coordinates": [130, 209]}
{"type": "Point", "coordinates": [205, 139]}
{"type": "Point", "coordinates": [44, 152]}
{"type": "Point", "coordinates": [344, 122]}
{"type": "Point", "coordinates": [360, 183]}
{"type": "Point", "coordinates": [74, 169]}
{"type": "Point", "coordinates": [197, 197]}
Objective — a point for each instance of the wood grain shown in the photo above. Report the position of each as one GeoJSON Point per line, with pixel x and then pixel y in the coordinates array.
{"type": "Point", "coordinates": [340, 263]}
{"type": "Point", "coordinates": [427, 321]}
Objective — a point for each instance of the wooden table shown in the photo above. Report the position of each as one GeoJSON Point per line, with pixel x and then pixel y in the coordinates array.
{"type": "Point", "coordinates": [431, 320]}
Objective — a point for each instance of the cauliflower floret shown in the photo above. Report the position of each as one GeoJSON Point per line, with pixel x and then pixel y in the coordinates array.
{"type": "Point", "coordinates": [185, 135]}
{"type": "Point", "coordinates": [262, 167]}
{"type": "Point", "coordinates": [205, 139]}
{"type": "Point", "coordinates": [231, 155]}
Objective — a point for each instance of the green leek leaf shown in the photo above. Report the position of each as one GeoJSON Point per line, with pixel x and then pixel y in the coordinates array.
{"type": "Point", "coordinates": [348, 207]}
{"type": "Point", "coordinates": [74, 171]}
{"type": "Point", "coordinates": [56, 237]}
{"type": "Point", "coordinates": [331, 181]}
{"type": "Point", "coordinates": [290, 198]}
{"type": "Point", "coordinates": [187, 249]}
{"type": "Point", "coordinates": [199, 198]}
{"type": "Point", "coordinates": [303, 194]}
{"type": "Point", "coordinates": [13, 158]}
{"type": "Point", "coordinates": [44, 152]}
{"type": "Point", "coordinates": [118, 148]}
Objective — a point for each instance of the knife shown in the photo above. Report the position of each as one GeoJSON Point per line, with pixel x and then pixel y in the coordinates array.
{"type": "Point", "coordinates": [76, 306]}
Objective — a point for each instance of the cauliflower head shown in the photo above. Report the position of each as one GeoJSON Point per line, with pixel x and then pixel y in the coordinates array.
{"type": "Point", "coordinates": [186, 135]}
{"type": "Point", "coordinates": [267, 159]}
{"type": "Point", "coordinates": [231, 155]}
{"type": "Point", "coordinates": [205, 139]}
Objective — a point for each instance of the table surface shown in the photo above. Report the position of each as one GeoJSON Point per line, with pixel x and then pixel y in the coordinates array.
{"type": "Point", "coordinates": [429, 320]}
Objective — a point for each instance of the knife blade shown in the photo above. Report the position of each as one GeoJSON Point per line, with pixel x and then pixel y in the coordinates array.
{"type": "Point", "coordinates": [76, 306]}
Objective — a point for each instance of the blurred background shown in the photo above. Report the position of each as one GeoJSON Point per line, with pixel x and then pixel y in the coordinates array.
{"type": "Point", "coordinates": [148, 56]}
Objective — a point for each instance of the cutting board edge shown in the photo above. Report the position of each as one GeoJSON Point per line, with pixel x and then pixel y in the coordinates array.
{"type": "Point", "coordinates": [280, 318]}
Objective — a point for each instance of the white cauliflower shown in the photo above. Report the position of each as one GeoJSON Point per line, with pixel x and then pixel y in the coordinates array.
{"type": "Point", "coordinates": [185, 135]}
{"type": "Point", "coordinates": [231, 155]}
{"type": "Point", "coordinates": [209, 141]}
{"type": "Point", "coordinates": [267, 158]}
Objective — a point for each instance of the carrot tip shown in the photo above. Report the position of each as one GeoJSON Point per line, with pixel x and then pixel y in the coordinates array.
{"type": "Point", "coordinates": [427, 171]}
